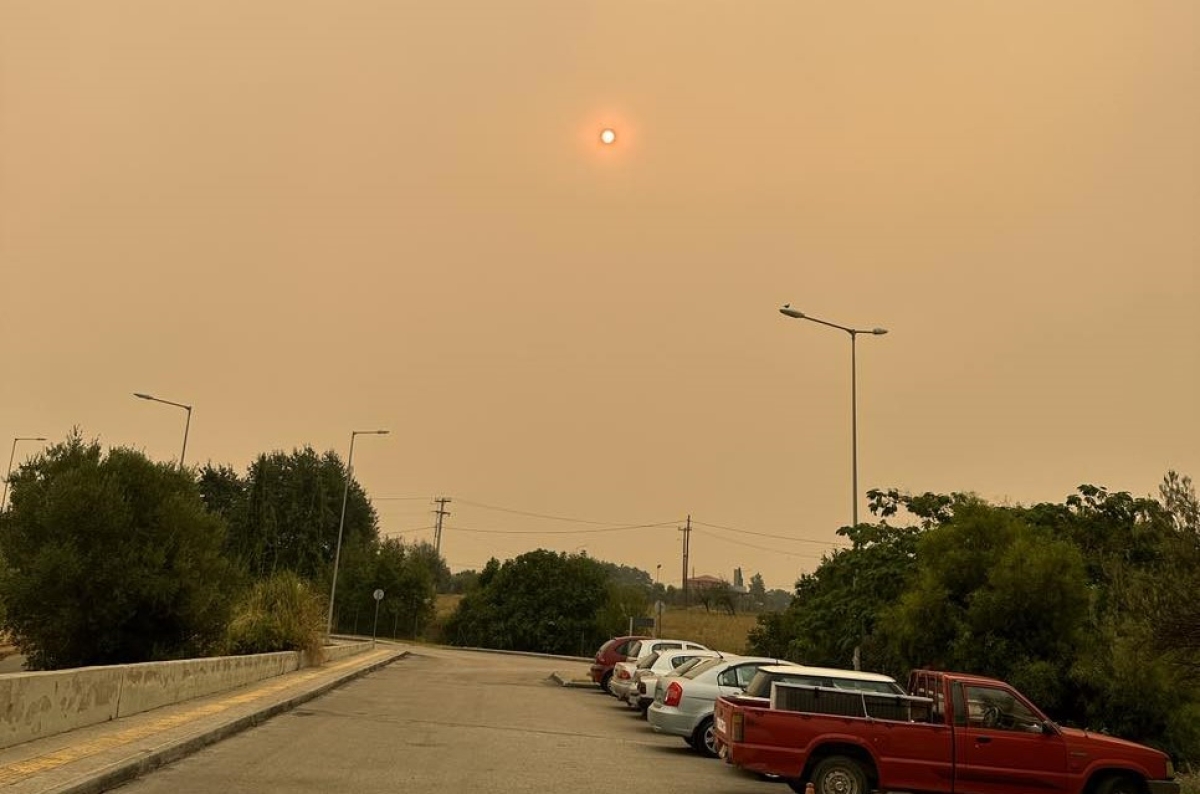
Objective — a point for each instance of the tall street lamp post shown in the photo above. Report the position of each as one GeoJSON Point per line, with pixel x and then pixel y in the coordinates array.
{"type": "Point", "coordinates": [337, 554]}
{"type": "Point", "coordinates": [853, 332]}
{"type": "Point", "coordinates": [11, 456]}
{"type": "Point", "coordinates": [187, 425]}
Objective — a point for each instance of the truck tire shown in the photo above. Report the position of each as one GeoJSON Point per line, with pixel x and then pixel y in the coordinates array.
{"type": "Point", "coordinates": [1121, 784]}
{"type": "Point", "coordinates": [839, 774]}
{"type": "Point", "coordinates": [704, 738]}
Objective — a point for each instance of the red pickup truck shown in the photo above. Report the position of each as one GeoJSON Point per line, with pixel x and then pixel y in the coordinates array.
{"type": "Point", "coordinates": [952, 733]}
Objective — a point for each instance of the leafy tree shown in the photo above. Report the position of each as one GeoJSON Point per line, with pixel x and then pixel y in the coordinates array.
{"type": "Point", "coordinates": [111, 558]}
{"type": "Point", "coordinates": [284, 514]}
{"type": "Point", "coordinates": [407, 576]}
{"type": "Point", "coordinates": [539, 601]}
{"type": "Point", "coordinates": [757, 592]}
{"type": "Point", "coordinates": [836, 608]}
{"type": "Point", "coordinates": [463, 582]}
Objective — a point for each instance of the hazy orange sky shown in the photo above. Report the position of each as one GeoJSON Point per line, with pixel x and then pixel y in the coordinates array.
{"type": "Point", "coordinates": [306, 218]}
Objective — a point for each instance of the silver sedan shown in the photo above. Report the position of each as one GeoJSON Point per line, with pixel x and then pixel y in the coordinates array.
{"type": "Point", "coordinates": [683, 704]}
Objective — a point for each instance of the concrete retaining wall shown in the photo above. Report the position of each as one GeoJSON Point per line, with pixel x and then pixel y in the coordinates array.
{"type": "Point", "coordinates": [42, 704]}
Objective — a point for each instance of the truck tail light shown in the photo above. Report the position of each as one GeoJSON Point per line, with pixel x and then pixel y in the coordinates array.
{"type": "Point", "coordinates": [674, 694]}
{"type": "Point", "coordinates": [737, 726]}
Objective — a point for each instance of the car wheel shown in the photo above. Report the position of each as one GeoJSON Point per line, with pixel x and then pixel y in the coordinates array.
{"type": "Point", "coordinates": [605, 680]}
{"type": "Point", "coordinates": [839, 774]}
{"type": "Point", "coordinates": [704, 738]}
{"type": "Point", "coordinates": [1120, 784]}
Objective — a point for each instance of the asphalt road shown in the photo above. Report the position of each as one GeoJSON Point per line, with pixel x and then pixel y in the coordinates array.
{"type": "Point", "coordinates": [449, 721]}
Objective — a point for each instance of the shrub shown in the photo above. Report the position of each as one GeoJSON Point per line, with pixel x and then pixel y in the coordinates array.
{"type": "Point", "coordinates": [281, 613]}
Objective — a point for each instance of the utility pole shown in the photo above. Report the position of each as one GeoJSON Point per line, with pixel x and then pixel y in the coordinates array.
{"type": "Point", "coordinates": [441, 502]}
{"type": "Point", "coordinates": [687, 532]}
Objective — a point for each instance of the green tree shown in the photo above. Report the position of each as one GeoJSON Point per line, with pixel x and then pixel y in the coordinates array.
{"type": "Point", "coordinates": [836, 608]}
{"type": "Point", "coordinates": [757, 592]}
{"type": "Point", "coordinates": [540, 601]}
{"type": "Point", "coordinates": [287, 513]}
{"type": "Point", "coordinates": [111, 558]}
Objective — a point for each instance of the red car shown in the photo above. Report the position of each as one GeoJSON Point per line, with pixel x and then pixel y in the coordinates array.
{"type": "Point", "coordinates": [611, 652]}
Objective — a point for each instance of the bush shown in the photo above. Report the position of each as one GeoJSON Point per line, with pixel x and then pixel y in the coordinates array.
{"type": "Point", "coordinates": [282, 613]}
{"type": "Point", "coordinates": [110, 558]}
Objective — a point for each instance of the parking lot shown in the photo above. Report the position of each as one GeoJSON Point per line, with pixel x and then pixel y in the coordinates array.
{"type": "Point", "coordinates": [447, 720]}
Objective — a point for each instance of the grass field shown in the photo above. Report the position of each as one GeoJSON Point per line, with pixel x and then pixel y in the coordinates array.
{"type": "Point", "coordinates": [719, 631]}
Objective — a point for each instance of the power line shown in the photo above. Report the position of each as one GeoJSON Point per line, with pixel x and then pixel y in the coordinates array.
{"type": "Point", "coordinates": [458, 528]}
{"type": "Point", "coordinates": [756, 546]}
{"type": "Point", "coordinates": [395, 498]}
{"type": "Point", "coordinates": [769, 535]}
{"type": "Point", "coordinates": [540, 515]}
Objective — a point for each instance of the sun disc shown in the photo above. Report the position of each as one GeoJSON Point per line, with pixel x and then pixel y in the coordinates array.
{"type": "Point", "coordinates": [608, 136]}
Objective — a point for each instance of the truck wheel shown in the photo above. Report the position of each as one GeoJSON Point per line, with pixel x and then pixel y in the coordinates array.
{"type": "Point", "coordinates": [839, 774]}
{"type": "Point", "coordinates": [1121, 784]}
{"type": "Point", "coordinates": [704, 738]}
{"type": "Point", "coordinates": [604, 681]}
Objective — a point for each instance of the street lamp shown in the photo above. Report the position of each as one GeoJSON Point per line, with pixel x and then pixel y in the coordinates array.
{"type": "Point", "coordinates": [11, 456]}
{"type": "Point", "coordinates": [337, 554]}
{"type": "Point", "coordinates": [186, 426]}
{"type": "Point", "coordinates": [854, 332]}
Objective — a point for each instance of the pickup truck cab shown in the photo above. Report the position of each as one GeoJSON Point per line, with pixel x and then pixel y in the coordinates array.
{"type": "Point", "coordinates": [953, 733]}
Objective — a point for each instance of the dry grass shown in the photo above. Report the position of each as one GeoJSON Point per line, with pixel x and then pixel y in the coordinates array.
{"type": "Point", "coordinates": [1190, 784]}
{"type": "Point", "coordinates": [720, 631]}
{"type": "Point", "coordinates": [444, 605]}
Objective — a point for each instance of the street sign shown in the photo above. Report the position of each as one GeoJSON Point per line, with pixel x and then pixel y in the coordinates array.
{"type": "Point", "coordinates": [378, 595]}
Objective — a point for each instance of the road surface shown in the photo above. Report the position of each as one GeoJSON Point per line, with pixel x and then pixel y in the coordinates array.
{"type": "Point", "coordinates": [454, 721]}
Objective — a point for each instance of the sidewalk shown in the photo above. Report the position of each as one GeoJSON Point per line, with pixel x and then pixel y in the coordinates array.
{"type": "Point", "coordinates": [100, 757]}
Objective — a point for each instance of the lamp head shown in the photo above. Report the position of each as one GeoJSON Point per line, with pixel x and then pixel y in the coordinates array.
{"type": "Point", "coordinates": [790, 312]}
{"type": "Point", "coordinates": [879, 331]}
{"type": "Point", "coordinates": [141, 396]}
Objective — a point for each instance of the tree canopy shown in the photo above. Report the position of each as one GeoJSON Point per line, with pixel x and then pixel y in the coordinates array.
{"type": "Point", "coordinates": [1087, 605]}
{"type": "Point", "coordinates": [110, 557]}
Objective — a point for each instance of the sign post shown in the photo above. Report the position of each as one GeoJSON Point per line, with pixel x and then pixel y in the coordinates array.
{"type": "Point", "coordinates": [378, 598]}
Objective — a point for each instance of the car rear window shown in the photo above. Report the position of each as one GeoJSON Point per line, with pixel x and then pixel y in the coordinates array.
{"type": "Point", "coordinates": [648, 661]}
{"type": "Point", "coordinates": [634, 649]}
{"type": "Point", "coordinates": [704, 664]}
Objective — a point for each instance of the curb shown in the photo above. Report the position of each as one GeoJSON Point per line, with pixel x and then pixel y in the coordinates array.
{"type": "Point", "coordinates": [577, 683]}
{"type": "Point", "coordinates": [124, 771]}
{"type": "Point", "coordinates": [519, 653]}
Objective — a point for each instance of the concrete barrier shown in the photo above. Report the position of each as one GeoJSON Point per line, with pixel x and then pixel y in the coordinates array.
{"type": "Point", "coordinates": [45, 703]}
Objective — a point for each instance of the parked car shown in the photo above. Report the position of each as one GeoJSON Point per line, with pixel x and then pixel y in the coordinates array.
{"type": "Point", "coordinates": [611, 652]}
{"type": "Point", "coordinates": [645, 678]}
{"type": "Point", "coordinates": [622, 678]}
{"type": "Point", "coordinates": [683, 704]}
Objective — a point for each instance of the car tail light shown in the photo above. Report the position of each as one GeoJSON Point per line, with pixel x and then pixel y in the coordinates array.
{"type": "Point", "coordinates": [623, 674]}
{"type": "Point", "coordinates": [737, 729]}
{"type": "Point", "coordinates": [641, 687]}
{"type": "Point", "coordinates": [674, 694]}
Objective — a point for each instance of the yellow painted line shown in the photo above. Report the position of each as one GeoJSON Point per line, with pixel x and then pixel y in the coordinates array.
{"type": "Point", "coordinates": [21, 770]}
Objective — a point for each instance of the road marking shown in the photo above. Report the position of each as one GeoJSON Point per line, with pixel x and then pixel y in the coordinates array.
{"type": "Point", "coordinates": [20, 770]}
